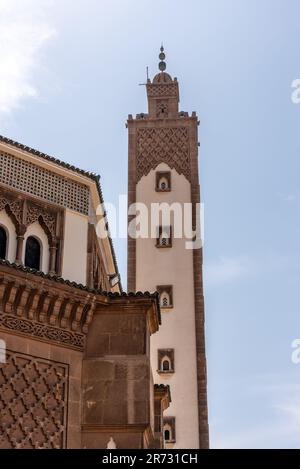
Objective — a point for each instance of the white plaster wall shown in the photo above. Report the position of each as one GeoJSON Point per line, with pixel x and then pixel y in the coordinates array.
{"type": "Point", "coordinates": [37, 231]}
{"type": "Point", "coordinates": [6, 222]}
{"type": "Point", "coordinates": [172, 266]}
{"type": "Point", "coordinates": [75, 247]}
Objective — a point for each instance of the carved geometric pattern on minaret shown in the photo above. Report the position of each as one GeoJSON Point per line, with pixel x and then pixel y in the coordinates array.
{"type": "Point", "coordinates": [168, 90]}
{"type": "Point", "coordinates": [167, 145]}
{"type": "Point", "coordinates": [33, 402]}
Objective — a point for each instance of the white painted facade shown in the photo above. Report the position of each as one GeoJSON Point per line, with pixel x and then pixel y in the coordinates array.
{"type": "Point", "coordinates": [75, 247]}
{"type": "Point", "coordinates": [172, 266]}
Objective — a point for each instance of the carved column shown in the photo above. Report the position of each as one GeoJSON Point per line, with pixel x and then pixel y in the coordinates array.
{"type": "Point", "coordinates": [52, 260]}
{"type": "Point", "coordinates": [21, 230]}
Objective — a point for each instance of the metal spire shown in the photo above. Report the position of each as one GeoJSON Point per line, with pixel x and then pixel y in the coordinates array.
{"type": "Point", "coordinates": [162, 64]}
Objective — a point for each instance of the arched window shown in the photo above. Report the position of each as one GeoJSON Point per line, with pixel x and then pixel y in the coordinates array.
{"type": "Point", "coordinates": [165, 295]}
{"type": "Point", "coordinates": [164, 239]}
{"type": "Point", "coordinates": [33, 253]}
{"type": "Point", "coordinates": [166, 364]}
{"type": "Point", "coordinates": [163, 184]}
{"type": "Point", "coordinates": [169, 430]}
{"type": "Point", "coordinates": [165, 361]}
{"type": "Point", "coordinates": [3, 243]}
{"type": "Point", "coordinates": [163, 181]}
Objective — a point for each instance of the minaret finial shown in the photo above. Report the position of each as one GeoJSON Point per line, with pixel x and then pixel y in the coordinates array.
{"type": "Point", "coordinates": [162, 64]}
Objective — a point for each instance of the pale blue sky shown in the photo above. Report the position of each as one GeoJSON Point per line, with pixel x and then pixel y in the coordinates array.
{"type": "Point", "coordinates": [69, 76]}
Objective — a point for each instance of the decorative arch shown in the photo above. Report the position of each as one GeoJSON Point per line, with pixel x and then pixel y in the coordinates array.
{"type": "Point", "coordinates": [166, 364]}
{"type": "Point", "coordinates": [25, 212]}
{"type": "Point", "coordinates": [46, 219]}
{"type": "Point", "coordinates": [165, 295]}
{"type": "Point", "coordinates": [13, 208]}
{"type": "Point", "coordinates": [48, 222]}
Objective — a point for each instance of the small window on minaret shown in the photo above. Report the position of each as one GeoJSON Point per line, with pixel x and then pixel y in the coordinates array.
{"type": "Point", "coordinates": [165, 363]}
{"type": "Point", "coordinates": [164, 239]}
{"type": "Point", "coordinates": [163, 181]}
{"type": "Point", "coordinates": [169, 430]}
{"type": "Point", "coordinates": [165, 295]}
{"type": "Point", "coordinates": [161, 109]}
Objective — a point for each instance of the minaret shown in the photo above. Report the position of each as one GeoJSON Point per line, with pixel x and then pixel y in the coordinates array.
{"type": "Point", "coordinates": [163, 168]}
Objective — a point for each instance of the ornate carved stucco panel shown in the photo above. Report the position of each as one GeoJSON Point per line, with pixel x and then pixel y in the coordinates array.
{"type": "Point", "coordinates": [168, 145]}
{"type": "Point", "coordinates": [33, 402]}
{"type": "Point", "coordinates": [34, 212]}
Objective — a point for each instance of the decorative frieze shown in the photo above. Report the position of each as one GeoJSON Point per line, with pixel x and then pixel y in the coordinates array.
{"type": "Point", "coordinates": [42, 331]}
{"type": "Point", "coordinates": [42, 312]}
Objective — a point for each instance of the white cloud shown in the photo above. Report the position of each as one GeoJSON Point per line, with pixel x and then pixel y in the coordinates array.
{"type": "Point", "coordinates": [226, 269]}
{"type": "Point", "coordinates": [24, 30]}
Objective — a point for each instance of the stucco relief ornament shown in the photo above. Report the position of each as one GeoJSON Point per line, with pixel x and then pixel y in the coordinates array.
{"type": "Point", "coordinates": [3, 203]}
{"type": "Point", "coordinates": [111, 444]}
{"type": "Point", "coordinates": [15, 208]}
{"type": "Point", "coordinates": [34, 212]}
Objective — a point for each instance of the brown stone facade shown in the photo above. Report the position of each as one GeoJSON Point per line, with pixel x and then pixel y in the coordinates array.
{"type": "Point", "coordinates": [77, 371]}
{"type": "Point", "coordinates": [171, 138]}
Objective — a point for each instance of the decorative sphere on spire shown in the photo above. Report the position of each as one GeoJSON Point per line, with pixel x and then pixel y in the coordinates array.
{"type": "Point", "coordinates": [162, 77]}
{"type": "Point", "coordinates": [162, 64]}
